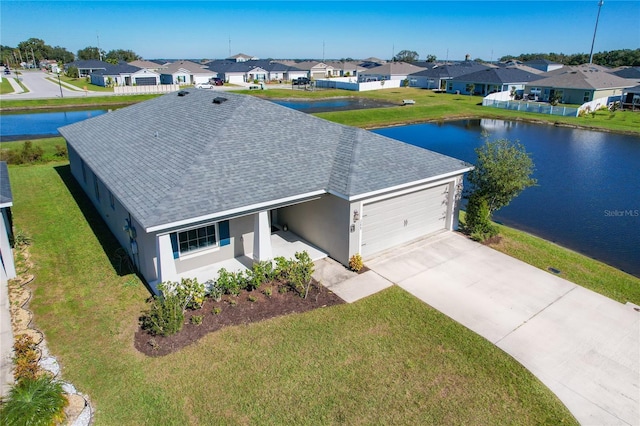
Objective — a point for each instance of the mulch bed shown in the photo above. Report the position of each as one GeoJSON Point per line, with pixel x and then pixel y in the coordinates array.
{"type": "Point", "coordinates": [235, 311]}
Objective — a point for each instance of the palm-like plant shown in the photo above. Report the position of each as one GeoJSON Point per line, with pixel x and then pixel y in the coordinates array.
{"type": "Point", "coordinates": [34, 402]}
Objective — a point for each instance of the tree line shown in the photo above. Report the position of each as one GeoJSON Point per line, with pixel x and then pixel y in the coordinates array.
{"type": "Point", "coordinates": [612, 58]}
{"type": "Point", "coordinates": [34, 50]}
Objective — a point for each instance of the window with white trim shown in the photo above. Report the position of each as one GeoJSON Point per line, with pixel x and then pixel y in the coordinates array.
{"type": "Point", "coordinates": [197, 239]}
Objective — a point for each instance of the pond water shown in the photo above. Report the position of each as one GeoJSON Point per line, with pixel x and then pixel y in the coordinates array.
{"type": "Point", "coordinates": [42, 124]}
{"type": "Point", "coordinates": [338, 104]}
{"type": "Point", "coordinates": [588, 193]}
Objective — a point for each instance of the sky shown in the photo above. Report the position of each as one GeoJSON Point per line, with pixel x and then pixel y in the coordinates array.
{"type": "Point", "coordinates": [324, 30]}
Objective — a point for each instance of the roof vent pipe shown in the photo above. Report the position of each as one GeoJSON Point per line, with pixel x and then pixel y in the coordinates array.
{"type": "Point", "coordinates": [219, 100]}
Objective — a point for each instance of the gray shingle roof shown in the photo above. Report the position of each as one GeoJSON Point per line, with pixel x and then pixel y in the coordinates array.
{"type": "Point", "coordinates": [587, 77]}
{"type": "Point", "coordinates": [176, 158]}
{"type": "Point", "coordinates": [498, 76]}
{"type": "Point", "coordinates": [6, 197]}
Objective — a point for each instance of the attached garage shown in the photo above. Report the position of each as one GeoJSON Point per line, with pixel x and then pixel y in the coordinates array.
{"type": "Point", "coordinates": [146, 81]}
{"type": "Point", "coordinates": [399, 219]}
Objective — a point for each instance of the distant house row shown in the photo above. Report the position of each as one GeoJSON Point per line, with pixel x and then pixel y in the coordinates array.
{"type": "Point", "coordinates": [540, 79]}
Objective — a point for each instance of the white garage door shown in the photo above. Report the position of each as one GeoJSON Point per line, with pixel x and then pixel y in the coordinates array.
{"type": "Point", "coordinates": [392, 221]}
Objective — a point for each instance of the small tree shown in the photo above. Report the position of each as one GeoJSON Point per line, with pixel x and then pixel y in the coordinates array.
{"type": "Point", "coordinates": [470, 88]}
{"type": "Point", "coordinates": [502, 172]}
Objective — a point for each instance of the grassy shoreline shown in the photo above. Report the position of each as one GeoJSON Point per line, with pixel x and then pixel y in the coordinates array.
{"type": "Point", "coordinates": [429, 107]}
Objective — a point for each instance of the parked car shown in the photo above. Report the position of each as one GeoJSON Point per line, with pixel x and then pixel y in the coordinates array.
{"type": "Point", "coordinates": [217, 81]}
{"type": "Point", "coordinates": [301, 80]}
{"type": "Point", "coordinates": [7, 71]}
{"type": "Point", "coordinates": [204, 86]}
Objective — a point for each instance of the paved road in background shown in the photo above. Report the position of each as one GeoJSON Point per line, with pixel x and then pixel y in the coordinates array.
{"type": "Point", "coordinates": [42, 85]}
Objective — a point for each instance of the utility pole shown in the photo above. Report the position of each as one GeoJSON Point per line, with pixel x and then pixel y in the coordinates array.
{"type": "Point", "coordinates": [600, 3]}
{"type": "Point", "coordinates": [99, 51]}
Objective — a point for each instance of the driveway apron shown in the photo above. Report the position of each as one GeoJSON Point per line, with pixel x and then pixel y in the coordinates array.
{"type": "Point", "coordinates": [580, 344]}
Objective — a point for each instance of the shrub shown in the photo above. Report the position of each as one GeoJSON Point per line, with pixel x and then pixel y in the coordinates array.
{"type": "Point", "coordinates": [196, 319]}
{"type": "Point", "coordinates": [165, 317]}
{"type": "Point", "coordinates": [300, 279]}
{"type": "Point", "coordinates": [355, 262]}
{"type": "Point", "coordinates": [28, 154]}
{"type": "Point", "coordinates": [189, 292]}
{"type": "Point", "coordinates": [25, 358]}
{"type": "Point", "coordinates": [61, 151]}
{"type": "Point", "coordinates": [213, 290]}
{"type": "Point", "coordinates": [477, 222]}
{"type": "Point", "coordinates": [252, 298]}
{"type": "Point", "coordinates": [38, 401]}
{"type": "Point", "coordinates": [228, 282]}
{"type": "Point", "coordinates": [217, 310]}
{"type": "Point", "coordinates": [268, 291]}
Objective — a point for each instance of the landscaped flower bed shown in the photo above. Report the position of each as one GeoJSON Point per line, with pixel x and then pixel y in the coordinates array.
{"type": "Point", "coordinates": [189, 310]}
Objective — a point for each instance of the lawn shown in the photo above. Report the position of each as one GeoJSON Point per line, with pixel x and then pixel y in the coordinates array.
{"type": "Point", "coordinates": [387, 359]}
{"type": "Point", "coordinates": [5, 86]}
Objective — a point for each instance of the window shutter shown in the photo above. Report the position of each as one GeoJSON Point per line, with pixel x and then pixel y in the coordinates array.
{"type": "Point", "coordinates": [225, 238]}
{"type": "Point", "coordinates": [174, 244]}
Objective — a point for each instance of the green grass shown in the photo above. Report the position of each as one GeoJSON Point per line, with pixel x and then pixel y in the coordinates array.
{"type": "Point", "coordinates": [387, 359]}
{"type": "Point", "coordinates": [80, 83]}
{"type": "Point", "coordinates": [88, 102]}
{"type": "Point", "coordinates": [48, 146]}
{"type": "Point", "coordinates": [5, 86]}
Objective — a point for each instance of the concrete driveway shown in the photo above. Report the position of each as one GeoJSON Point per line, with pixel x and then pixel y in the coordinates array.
{"type": "Point", "coordinates": [583, 346]}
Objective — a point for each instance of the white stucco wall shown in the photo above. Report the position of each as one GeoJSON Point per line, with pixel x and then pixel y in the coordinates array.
{"type": "Point", "coordinates": [323, 222]}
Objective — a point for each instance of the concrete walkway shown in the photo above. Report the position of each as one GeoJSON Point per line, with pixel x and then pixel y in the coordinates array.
{"type": "Point", "coordinates": [583, 346]}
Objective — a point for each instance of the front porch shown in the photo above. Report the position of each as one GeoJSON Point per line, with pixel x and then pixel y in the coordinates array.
{"type": "Point", "coordinates": [283, 244]}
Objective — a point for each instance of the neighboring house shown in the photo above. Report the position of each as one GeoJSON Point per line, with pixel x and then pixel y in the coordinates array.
{"type": "Point", "coordinates": [578, 84]}
{"type": "Point", "coordinates": [240, 172]}
{"type": "Point", "coordinates": [312, 69]}
{"type": "Point", "coordinates": [491, 80]}
{"type": "Point", "coordinates": [7, 263]}
{"type": "Point", "coordinates": [631, 98]}
{"type": "Point", "coordinates": [248, 71]}
{"type": "Point", "coordinates": [241, 57]}
{"type": "Point", "coordinates": [630, 73]}
{"type": "Point", "coordinates": [86, 67]}
{"type": "Point", "coordinates": [344, 69]}
{"type": "Point", "coordinates": [186, 72]}
{"type": "Point", "coordinates": [437, 76]}
{"type": "Point", "coordinates": [389, 71]}
{"type": "Point", "coordinates": [148, 65]}
{"type": "Point", "coordinates": [124, 74]}
{"type": "Point", "coordinates": [543, 65]}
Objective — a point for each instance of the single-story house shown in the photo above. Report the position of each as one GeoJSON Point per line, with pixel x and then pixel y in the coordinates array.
{"type": "Point", "coordinates": [241, 57]}
{"type": "Point", "coordinates": [248, 71]}
{"type": "Point", "coordinates": [630, 73]}
{"type": "Point", "coordinates": [186, 72]}
{"type": "Point", "coordinates": [631, 98]}
{"type": "Point", "coordinates": [579, 84]}
{"type": "Point", "coordinates": [240, 174]}
{"type": "Point", "coordinates": [148, 65]}
{"type": "Point", "coordinates": [491, 80]}
{"type": "Point", "coordinates": [7, 263]}
{"type": "Point", "coordinates": [86, 67]}
{"type": "Point", "coordinates": [437, 76]}
{"type": "Point", "coordinates": [543, 65]}
{"type": "Point", "coordinates": [124, 74]}
{"type": "Point", "coordinates": [312, 69]}
{"type": "Point", "coordinates": [344, 68]}
{"type": "Point", "coordinates": [389, 71]}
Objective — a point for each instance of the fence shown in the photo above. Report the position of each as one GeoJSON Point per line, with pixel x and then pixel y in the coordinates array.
{"type": "Point", "coordinates": [139, 90]}
{"type": "Point", "coordinates": [350, 83]}
{"type": "Point", "coordinates": [497, 100]}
